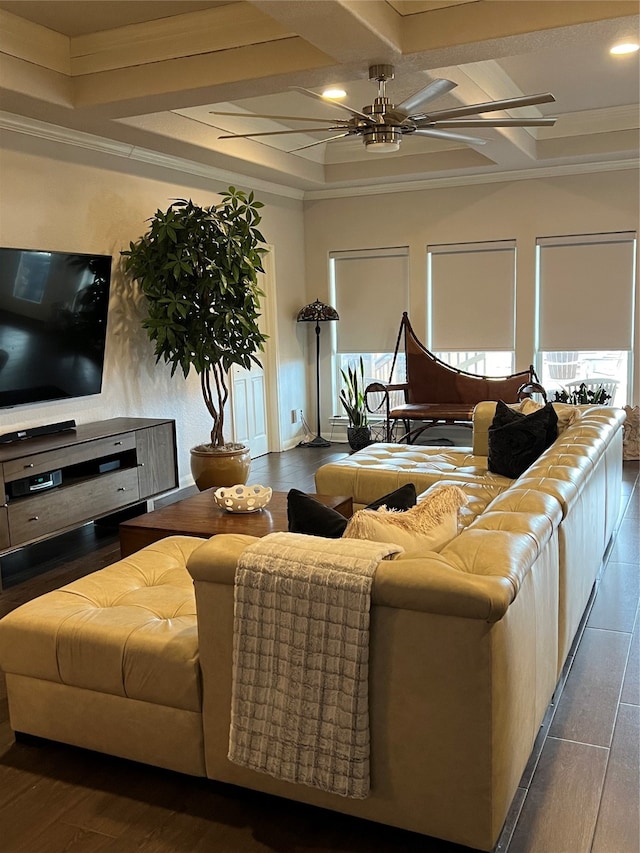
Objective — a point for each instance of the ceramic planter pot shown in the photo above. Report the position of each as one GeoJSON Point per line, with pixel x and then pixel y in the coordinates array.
{"type": "Point", "coordinates": [225, 466]}
{"type": "Point", "coordinates": [358, 437]}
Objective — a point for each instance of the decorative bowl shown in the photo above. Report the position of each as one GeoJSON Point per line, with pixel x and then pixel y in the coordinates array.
{"type": "Point", "coordinates": [242, 498]}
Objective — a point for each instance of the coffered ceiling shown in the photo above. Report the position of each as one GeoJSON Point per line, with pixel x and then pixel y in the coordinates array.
{"type": "Point", "coordinates": [148, 76]}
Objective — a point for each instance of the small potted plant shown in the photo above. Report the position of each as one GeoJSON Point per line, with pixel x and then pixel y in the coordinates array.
{"type": "Point", "coordinates": [353, 400]}
{"type": "Point", "coordinates": [583, 396]}
{"type": "Point", "coordinates": [197, 267]}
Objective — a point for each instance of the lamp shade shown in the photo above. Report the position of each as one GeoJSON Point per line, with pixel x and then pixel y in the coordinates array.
{"type": "Point", "coordinates": [317, 312]}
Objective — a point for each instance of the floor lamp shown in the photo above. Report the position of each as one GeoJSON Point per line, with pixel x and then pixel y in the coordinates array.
{"type": "Point", "coordinates": [317, 312]}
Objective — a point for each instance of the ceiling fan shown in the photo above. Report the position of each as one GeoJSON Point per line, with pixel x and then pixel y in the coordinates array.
{"type": "Point", "coordinates": [382, 125]}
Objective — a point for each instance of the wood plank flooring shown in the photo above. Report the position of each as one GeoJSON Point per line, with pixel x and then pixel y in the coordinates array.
{"type": "Point", "coordinates": [579, 794]}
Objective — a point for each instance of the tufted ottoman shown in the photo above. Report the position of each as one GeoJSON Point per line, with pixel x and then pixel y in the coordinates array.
{"type": "Point", "coordinates": [110, 661]}
{"type": "Point", "coordinates": [383, 467]}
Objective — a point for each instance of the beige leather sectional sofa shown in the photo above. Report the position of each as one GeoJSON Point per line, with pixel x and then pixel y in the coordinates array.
{"type": "Point", "coordinates": [466, 644]}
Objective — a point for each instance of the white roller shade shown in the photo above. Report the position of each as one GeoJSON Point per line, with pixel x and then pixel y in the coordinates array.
{"type": "Point", "coordinates": [585, 296]}
{"type": "Point", "coordinates": [472, 296]}
{"type": "Point", "coordinates": [371, 292]}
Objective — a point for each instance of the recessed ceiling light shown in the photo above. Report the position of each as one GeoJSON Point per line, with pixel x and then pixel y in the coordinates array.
{"type": "Point", "coordinates": [627, 47]}
{"type": "Point", "coordinates": [334, 93]}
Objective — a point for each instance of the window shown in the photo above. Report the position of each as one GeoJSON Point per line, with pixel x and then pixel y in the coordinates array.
{"type": "Point", "coordinates": [370, 290]}
{"type": "Point", "coordinates": [377, 365]}
{"type": "Point", "coordinates": [585, 303]}
{"type": "Point", "coordinates": [471, 305]}
{"type": "Point", "coordinates": [569, 369]}
{"type": "Point", "coordinates": [484, 363]}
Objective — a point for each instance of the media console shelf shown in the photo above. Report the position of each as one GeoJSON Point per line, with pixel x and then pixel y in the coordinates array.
{"type": "Point", "coordinates": [99, 468]}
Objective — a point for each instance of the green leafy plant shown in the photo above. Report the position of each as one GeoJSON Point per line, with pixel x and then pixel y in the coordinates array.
{"type": "Point", "coordinates": [583, 396]}
{"type": "Point", "coordinates": [352, 395]}
{"type": "Point", "coordinates": [197, 267]}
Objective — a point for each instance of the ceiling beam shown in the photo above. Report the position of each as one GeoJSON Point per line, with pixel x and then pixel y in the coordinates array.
{"type": "Point", "coordinates": [191, 34]}
{"type": "Point", "coordinates": [349, 31]}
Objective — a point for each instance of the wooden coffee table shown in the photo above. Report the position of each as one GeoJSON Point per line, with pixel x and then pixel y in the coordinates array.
{"type": "Point", "coordinates": [200, 516]}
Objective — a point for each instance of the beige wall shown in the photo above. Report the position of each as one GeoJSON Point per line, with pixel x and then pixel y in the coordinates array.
{"type": "Point", "coordinates": [522, 210]}
{"type": "Point", "coordinates": [62, 197]}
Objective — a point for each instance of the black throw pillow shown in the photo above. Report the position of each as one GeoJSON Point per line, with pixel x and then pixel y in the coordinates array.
{"type": "Point", "coordinates": [307, 515]}
{"type": "Point", "coordinates": [401, 499]}
{"type": "Point", "coordinates": [506, 415]}
{"type": "Point", "coordinates": [516, 440]}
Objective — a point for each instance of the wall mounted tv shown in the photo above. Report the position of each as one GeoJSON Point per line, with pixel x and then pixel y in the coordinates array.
{"type": "Point", "coordinates": [53, 322]}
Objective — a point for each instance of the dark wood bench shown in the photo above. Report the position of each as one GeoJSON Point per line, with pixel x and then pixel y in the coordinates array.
{"type": "Point", "coordinates": [435, 393]}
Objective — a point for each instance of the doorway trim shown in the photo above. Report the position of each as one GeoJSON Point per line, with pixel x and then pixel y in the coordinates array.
{"type": "Point", "coordinates": [271, 356]}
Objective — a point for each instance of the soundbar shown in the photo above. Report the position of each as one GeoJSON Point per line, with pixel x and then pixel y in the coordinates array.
{"type": "Point", "coordinates": [36, 432]}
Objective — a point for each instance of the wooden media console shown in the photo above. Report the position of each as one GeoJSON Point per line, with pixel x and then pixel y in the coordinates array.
{"type": "Point", "coordinates": [55, 483]}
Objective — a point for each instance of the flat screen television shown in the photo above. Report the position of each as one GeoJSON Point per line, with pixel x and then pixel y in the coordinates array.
{"type": "Point", "coordinates": [53, 323]}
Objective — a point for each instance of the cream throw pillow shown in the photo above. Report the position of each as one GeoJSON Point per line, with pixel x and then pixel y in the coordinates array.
{"type": "Point", "coordinates": [427, 526]}
{"type": "Point", "coordinates": [566, 414]}
{"type": "Point", "coordinates": [527, 406]}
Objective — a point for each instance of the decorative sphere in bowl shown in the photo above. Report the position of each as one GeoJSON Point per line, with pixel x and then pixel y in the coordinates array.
{"type": "Point", "coordinates": [242, 498]}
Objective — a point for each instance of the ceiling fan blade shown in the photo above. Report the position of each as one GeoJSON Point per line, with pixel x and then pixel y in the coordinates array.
{"type": "Point", "coordinates": [285, 118]}
{"type": "Point", "coordinates": [429, 93]}
{"type": "Point", "coordinates": [319, 142]}
{"type": "Point", "coordinates": [275, 132]}
{"type": "Point", "coordinates": [351, 110]}
{"type": "Point", "coordinates": [491, 106]}
{"type": "Point", "coordinates": [491, 122]}
{"type": "Point", "coordinates": [444, 134]}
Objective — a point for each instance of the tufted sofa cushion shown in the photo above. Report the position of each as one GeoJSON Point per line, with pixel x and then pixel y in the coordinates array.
{"type": "Point", "coordinates": [478, 494]}
{"type": "Point", "coordinates": [129, 630]}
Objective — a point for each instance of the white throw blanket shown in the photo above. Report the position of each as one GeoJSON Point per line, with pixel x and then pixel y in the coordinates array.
{"type": "Point", "coordinates": [300, 693]}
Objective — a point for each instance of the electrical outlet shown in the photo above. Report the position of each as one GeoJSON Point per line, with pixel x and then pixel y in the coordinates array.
{"type": "Point", "coordinates": [294, 416]}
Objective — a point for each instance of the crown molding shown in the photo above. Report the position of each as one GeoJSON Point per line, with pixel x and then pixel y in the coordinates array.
{"type": "Point", "coordinates": [64, 135]}
{"type": "Point", "coordinates": [474, 180]}
{"type": "Point", "coordinates": [113, 148]}
{"type": "Point", "coordinates": [55, 133]}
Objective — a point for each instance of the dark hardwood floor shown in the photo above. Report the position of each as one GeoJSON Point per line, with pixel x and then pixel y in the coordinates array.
{"type": "Point", "coordinates": [579, 794]}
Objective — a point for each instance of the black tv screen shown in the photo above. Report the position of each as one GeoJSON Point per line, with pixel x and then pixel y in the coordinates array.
{"type": "Point", "coordinates": [53, 322]}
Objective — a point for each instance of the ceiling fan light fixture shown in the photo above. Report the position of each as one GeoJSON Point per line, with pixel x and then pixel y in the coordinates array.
{"type": "Point", "coordinates": [382, 140]}
{"type": "Point", "coordinates": [624, 48]}
{"type": "Point", "coordinates": [382, 147]}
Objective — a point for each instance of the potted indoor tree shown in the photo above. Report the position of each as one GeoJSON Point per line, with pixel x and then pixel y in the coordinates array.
{"type": "Point", "coordinates": [197, 267]}
{"type": "Point", "coordinates": [353, 399]}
